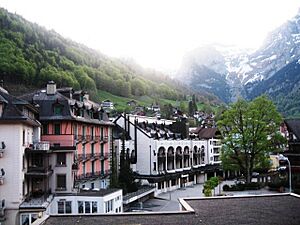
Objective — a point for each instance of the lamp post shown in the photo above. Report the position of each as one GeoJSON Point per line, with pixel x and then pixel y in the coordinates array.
{"type": "Point", "coordinates": [284, 158]}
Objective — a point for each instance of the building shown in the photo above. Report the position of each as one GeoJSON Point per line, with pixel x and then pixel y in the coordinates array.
{"type": "Point", "coordinates": [292, 132]}
{"type": "Point", "coordinates": [162, 153]}
{"type": "Point", "coordinates": [79, 132]}
{"type": "Point", "coordinates": [88, 202]}
{"type": "Point", "coordinates": [25, 162]}
{"type": "Point", "coordinates": [107, 104]}
{"type": "Point", "coordinates": [275, 209]}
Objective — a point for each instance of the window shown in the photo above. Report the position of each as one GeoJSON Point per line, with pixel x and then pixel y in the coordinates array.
{"type": "Point", "coordinates": [92, 149]}
{"type": "Point", "coordinates": [92, 186]}
{"type": "Point", "coordinates": [61, 207]}
{"type": "Point", "coordinates": [93, 167]}
{"type": "Point", "coordinates": [80, 206]}
{"type": "Point", "coordinates": [83, 131]}
{"type": "Point", "coordinates": [94, 207]}
{"type": "Point", "coordinates": [61, 159]}
{"type": "Point", "coordinates": [58, 110]}
{"type": "Point", "coordinates": [57, 128]}
{"type": "Point", "coordinates": [61, 181]}
{"type": "Point", "coordinates": [102, 166]}
{"type": "Point", "coordinates": [23, 140]}
{"type": "Point", "coordinates": [87, 207]}
{"type": "Point", "coordinates": [109, 206]}
{"type": "Point", "coordinates": [92, 132]}
{"type": "Point", "coordinates": [154, 166]}
{"type": "Point", "coordinates": [45, 128]}
{"type": "Point", "coordinates": [83, 167]}
{"type": "Point", "coordinates": [28, 218]}
{"type": "Point", "coordinates": [68, 208]}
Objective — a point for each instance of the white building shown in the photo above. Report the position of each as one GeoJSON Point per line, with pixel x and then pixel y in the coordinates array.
{"type": "Point", "coordinates": [88, 202]}
{"type": "Point", "coordinates": [162, 154]}
{"type": "Point", "coordinates": [19, 130]}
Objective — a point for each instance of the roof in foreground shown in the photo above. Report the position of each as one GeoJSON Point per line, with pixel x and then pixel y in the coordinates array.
{"type": "Point", "coordinates": [248, 210]}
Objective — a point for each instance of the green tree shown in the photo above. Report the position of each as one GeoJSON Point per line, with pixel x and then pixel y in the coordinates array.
{"type": "Point", "coordinates": [126, 178]}
{"type": "Point", "coordinates": [250, 131]}
{"type": "Point", "coordinates": [210, 185]}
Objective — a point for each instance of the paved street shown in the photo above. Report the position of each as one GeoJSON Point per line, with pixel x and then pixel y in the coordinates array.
{"type": "Point", "coordinates": [169, 201]}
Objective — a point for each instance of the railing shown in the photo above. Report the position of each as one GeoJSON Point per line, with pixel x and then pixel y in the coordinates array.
{"type": "Point", "coordinates": [77, 137]}
{"type": "Point", "coordinates": [103, 139]}
{"type": "Point", "coordinates": [93, 156]}
{"type": "Point", "coordinates": [39, 169]}
{"type": "Point", "coordinates": [97, 174]}
{"type": "Point", "coordinates": [43, 145]}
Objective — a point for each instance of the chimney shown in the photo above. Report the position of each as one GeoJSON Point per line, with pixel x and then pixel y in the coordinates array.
{"type": "Point", "coordinates": [51, 87]}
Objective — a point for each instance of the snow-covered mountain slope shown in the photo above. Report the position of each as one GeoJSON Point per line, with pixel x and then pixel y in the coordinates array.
{"type": "Point", "coordinates": [246, 73]}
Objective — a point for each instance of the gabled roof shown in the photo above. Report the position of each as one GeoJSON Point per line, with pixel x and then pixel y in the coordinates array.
{"type": "Point", "coordinates": [47, 102]}
{"type": "Point", "coordinates": [206, 133]}
{"type": "Point", "coordinates": [293, 126]}
{"type": "Point", "coordinates": [13, 109]}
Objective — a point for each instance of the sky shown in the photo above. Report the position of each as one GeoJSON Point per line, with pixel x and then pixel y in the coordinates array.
{"type": "Point", "coordinates": [157, 33]}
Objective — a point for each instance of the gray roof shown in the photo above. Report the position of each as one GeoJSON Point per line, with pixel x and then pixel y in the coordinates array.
{"type": "Point", "coordinates": [250, 210]}
{"type": "Point", "coordinates": [46, 104]}
{"type": "Point", "coordinates": [293, 125]}
{"type": "Point", "coordinates": [13, 109]}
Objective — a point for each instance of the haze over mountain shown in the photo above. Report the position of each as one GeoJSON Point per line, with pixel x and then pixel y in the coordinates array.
{"type": "Point", "coordinates": [273, 69]}
{"type": "Point", "coordinates": [31, 55]}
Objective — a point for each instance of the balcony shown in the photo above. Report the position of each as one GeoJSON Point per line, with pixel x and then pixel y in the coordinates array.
{"type": "Point", "coordinates": [83, 157]}
{"type": "Point", "coordinates": [103, 139]}
{"type": "Point", "coordinates": [77, 138]}
{"type": "Point", "coordinates": [39, 170]}
{"type": "Point", "coordinates": [39, 199]}
{"type": "Point", "coordinates": [93, 175]}
{"type": "Point", "coordinates": [103, 155]}
{"type": "Point", "coordinates": [60, 142]}
{"type": "Point", "coordinates": [39, 147]}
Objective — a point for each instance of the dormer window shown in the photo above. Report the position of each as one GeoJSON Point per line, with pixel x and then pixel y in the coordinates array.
{"type": "Point", "coordinates": [58, 110]}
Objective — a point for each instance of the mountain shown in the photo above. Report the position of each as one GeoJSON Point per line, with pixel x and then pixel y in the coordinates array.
{"type": "Point", "coordinates": [273, 69]}
{"type": "Point", "coordinates": [30, 55]}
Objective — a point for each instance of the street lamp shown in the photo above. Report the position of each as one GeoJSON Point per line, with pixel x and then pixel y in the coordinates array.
{"type": "Point", "coordinates": [283, 158]}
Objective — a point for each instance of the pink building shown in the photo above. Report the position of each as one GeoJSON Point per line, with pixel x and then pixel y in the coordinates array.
{"type": "Point", "coordinates": [78, 131]}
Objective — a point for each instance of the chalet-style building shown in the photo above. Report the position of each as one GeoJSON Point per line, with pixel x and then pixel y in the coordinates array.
{"type": "Point", "coordinates": [162, 153]}
{"type": "Point", "coordinates": [293, 151]}
{"type": "Point", "coordinates": [78, 130]}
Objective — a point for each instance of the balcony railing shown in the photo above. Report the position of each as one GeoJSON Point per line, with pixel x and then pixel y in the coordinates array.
{"type": "Point", "coordinates": [103, 139]}
{"type": "Point", "coordinates": [43, 146]}
{"type": "Point", "coordinates": [93, 156]}
{"type": "Point", "coordinates": [39, 170]}
{"type": "Point", "coordinates": [91, 175]}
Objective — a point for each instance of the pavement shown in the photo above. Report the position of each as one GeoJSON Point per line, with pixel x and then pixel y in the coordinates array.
{"type": "Point", "coordinates": [168, 201]}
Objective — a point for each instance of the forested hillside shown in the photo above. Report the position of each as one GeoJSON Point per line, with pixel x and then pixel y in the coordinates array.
{"type": "Point", "coordinates": [31, 55]}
